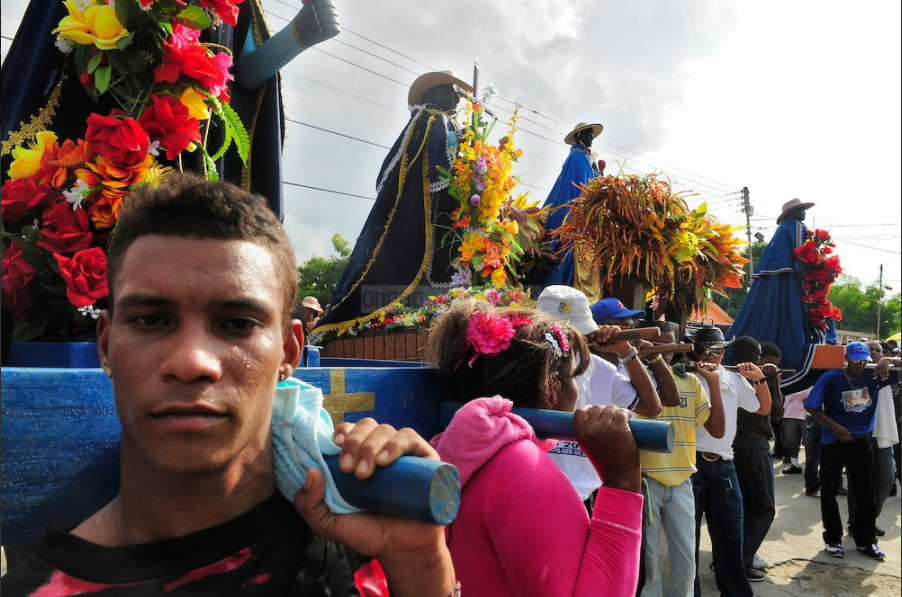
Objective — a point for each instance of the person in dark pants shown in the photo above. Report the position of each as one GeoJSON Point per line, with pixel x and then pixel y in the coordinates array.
{"type": "Point", "coordinates": [812, 457]}
{"type": "Point", "coordinates": [716, 489]}
{"type": "Point", "coordinates": [751, 456]}
{"type": "Point", "coordinates": [844, 402]}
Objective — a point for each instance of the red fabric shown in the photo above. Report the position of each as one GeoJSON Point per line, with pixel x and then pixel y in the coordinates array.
{"type": "Point", "coordinates": [370, 580]}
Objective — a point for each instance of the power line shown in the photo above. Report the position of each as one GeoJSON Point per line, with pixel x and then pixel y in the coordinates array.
{"type": "Point", "coordinates": [384, 47]}
{"type": "Point", "coordinates": [338, 41]}
{"type": "Point", "coordinates": [871, 248]}
{"type": "Point", "coordinates": [294, 74]}
{"type": "Point", "coordinates": [325, 130]}
{"type": "Point", "coordinates": [334, 192]}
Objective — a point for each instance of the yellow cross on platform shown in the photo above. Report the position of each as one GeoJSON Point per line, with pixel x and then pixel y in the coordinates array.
{"type": "Point", "coordinates": [338, 402]}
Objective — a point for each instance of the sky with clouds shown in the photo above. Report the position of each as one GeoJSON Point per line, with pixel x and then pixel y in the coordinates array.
{"type": "Point", "coordinates": [790, 99]}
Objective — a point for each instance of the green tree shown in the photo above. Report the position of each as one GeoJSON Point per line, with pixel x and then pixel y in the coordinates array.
{"type": "Point", "coordinates": [859, 306]}
{"type": "Point", "coordinates": [319, 276]}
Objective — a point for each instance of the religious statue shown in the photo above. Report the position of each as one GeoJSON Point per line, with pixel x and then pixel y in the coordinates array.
{"type": "Point", "coordinates": [402, 244]}
{"type": "Point", "coordinates": [578, 169]}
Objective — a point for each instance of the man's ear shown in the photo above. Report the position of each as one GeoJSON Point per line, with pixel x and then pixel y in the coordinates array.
{"type": "Point", "coordinates": [293, 347]}
{"type": "Point", "coordinates": [103, 341]}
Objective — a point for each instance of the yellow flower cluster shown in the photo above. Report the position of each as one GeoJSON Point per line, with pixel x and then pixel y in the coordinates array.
{"type": "Point", "coordinates": [92, 24]}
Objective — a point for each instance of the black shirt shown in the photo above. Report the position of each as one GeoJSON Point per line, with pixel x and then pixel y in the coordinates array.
{"type": "Point", "coordinates": [268, 550]}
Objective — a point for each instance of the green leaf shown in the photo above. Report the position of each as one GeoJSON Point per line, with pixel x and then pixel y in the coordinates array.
{"type": "Point", "coordinates": [212, 173]}
{"type": "Point", "coordinates": [226, 142]}
{"type": "Point", "coordinates": [194, 17]}
{"type": "Point", "coordinates": [235, 129]}
{"type": "Point", "coordinates": [128, 13]}
{"type": "Point", "coordinates": [23, 331]}
{"type": "Point", "coordinates": [102, 78]}
{"type": "Point", "coordinates": [125, 42]}
{"type": "Point", "coordinates": [94, 62]}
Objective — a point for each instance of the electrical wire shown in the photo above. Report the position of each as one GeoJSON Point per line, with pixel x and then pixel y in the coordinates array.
{"type": "Point", "coordinates": [325, 130]}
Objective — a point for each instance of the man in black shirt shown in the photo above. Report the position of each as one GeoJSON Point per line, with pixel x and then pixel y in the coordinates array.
{"type": "Point", "coordinates": [751, 455]}
{"type": "Point", "coordinates": [202, 281]}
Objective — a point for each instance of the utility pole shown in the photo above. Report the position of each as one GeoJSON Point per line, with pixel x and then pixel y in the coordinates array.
{"type": "Point", "coordinates": [879, 302]}
{"type": "Point", "coordinates": [749, 210]}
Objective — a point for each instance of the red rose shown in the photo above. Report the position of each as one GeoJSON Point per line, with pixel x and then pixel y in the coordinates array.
{"type": "Point", "coordinates": [118, 138]}
{"type": "Point", "coordinates": [226, 9]}
{"type": "Point", "coordinates": [168, 121]}
{"type": "Point", "coordinates": [183, 55]}
{"type": "Point", "coordinates": [66, 230]}
{"type": "Point", "coordinates": [86, 79]}
{"type": "Point", "coordinates": [85, 276]}
{"type": "Point", "coordinates": [22, 195]}
{"type": "Point", "coordinates": [15, 274]}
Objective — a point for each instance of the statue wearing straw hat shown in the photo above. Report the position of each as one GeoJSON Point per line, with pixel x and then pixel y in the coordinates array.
{"type": "Point", "coordinates": [400, 247]}
{"type": "Point", "coordinates": [774, 311]}
{"type": "Point", "coordinates": [578, 169]}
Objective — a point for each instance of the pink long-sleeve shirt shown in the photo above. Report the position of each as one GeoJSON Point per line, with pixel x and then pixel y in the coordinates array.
{"type": "Point", "coordinates": [522, 529]}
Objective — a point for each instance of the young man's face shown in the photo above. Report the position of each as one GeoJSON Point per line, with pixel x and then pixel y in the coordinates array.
{"type": "Point", "coordinates": [667, 337]}
{"type": "Point", "coordinates": [855, 367]}
{"type": "Point", "coordinates": [876, 351]}
{"type": "Point", "coordinates": [705, 354]}
{"type": "Point", "coordinates": [195, 343]}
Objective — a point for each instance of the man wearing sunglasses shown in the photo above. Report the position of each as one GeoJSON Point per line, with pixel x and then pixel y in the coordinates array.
{"type": "Point", "coordinates": [716, 487]}
{"type": "Point", "coordinates": [844, 402]}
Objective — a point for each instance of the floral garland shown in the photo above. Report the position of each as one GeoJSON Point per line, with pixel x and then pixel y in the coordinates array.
{"type": "Point", "coordinates": [821, 270]}
{"type": "Point", "coordinates": [493, 227]}
{"type": "Point", "coordinates": [400, 316]}
{"type": "Point", "coordinates": [60, 198]}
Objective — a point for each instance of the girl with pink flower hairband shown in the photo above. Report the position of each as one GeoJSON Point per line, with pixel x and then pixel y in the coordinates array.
{"type": "Point", "coordinates": [522, 529]}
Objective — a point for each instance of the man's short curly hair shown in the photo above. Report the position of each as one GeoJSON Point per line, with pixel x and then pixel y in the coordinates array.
{"type": "Point", "coordinates": [188, 206]}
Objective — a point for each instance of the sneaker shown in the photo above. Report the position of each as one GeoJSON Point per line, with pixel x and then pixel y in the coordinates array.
{"type": "Point", "coordinates": [759, 564]}
{"type": "Point", "coordinates": [842, 491]}
{"type": "Point", "coordinates": [793, 470]}
{"type": "Point", "coordinates": [815, 494]}
{"type": "Point", "coordinates": [755, 575]}
{"type": "Point", "coordinates": [834, 549]}
{"type": "Point", "coordinates": [871, 551]}
{"type": "Point", "coordinates": [878, 531]}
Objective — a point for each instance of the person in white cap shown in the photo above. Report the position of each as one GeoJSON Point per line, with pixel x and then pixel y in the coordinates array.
{"type": "Point", "coordinates": [601, 383]}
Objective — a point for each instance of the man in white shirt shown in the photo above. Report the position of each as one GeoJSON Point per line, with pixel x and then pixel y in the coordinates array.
{"type": "Point", "coordinates": [600, 384]}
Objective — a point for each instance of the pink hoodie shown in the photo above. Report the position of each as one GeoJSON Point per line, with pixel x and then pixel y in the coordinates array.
{"type": "Point", "coordinates": [522, 529]}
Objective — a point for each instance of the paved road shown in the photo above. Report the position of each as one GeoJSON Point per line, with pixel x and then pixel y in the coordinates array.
{"type": "Point", "coordinates": [796, 550]}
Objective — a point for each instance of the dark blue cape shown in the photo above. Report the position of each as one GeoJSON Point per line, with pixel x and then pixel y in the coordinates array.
{"type": "Point", "coordinates": [773, 311]}
{"type": "Point", "coordinates": [401, 244]}
{"type": "Point", "coordinates": [577, 171]}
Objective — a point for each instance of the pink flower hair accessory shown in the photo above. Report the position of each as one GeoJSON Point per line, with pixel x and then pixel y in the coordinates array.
{"type": "Point", "coordinates": [489, 334]}
{"type": "Point", "coordinates": [558, 340]}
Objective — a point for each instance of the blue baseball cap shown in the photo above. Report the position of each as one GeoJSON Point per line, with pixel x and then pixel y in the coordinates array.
{"type": "Point", "coordinates": [858, 351]}
{"type": "Point", "coordinates": [611, 308]}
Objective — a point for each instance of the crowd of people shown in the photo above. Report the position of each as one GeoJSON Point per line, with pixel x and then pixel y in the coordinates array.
{"type": "Point", "coordinates": [200, 332]}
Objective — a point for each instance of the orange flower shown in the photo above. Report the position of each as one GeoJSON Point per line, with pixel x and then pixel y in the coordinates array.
{"type": "Point", "coordinates": [57, 160]}
{"type": "Point", "coordinates": [102, 171]}
{"type": "Point", "coordinates": [104, 208]}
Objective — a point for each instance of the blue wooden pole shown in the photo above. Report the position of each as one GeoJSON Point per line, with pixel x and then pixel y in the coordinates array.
{"type": "Point", "coordinates": [654, 436]}
{"type": "Point", "coordinates": [411, 487]}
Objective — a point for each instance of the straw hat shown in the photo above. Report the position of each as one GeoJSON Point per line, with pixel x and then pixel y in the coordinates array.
{"type": "Point", "coordinates": [570, 139]}
{"type": "Point", "coordinates": [792, 205]}
{"type": "Point", "coordinates": [311, 303]}
{"type": "Point", "coordinates": [425, 82]}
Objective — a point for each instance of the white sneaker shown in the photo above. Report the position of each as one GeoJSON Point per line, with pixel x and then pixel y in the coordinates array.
{"type": "Point", "coordinates": [759, 564]}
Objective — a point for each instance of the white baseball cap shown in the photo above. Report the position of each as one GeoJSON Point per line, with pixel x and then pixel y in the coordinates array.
{"type": "Point", "coordinates": [568, 304]}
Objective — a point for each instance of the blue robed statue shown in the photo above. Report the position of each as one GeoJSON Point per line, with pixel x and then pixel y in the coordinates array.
{"type": "Point", "coordinates": [774, 311]}
{"type": "Point", "coordinates": [578, 170]}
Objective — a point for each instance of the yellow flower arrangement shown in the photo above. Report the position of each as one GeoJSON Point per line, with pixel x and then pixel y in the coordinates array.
{"type": "Point", "coordinates": [93, 24]}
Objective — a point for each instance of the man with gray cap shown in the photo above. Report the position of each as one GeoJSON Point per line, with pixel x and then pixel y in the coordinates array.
{"type": "Point", "coordinates": [601, 383]}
